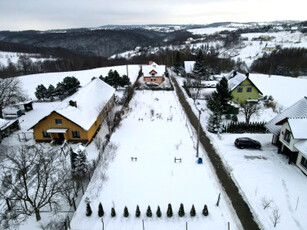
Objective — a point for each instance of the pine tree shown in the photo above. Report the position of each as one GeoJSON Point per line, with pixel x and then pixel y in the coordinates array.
{"type": "Point", "coordinates": [126, 212]}
{"type": "Point", "coordinates": [137, 211]}
{"type": "Point", "coordinates": [100, 210]}
{"type": "Point", "coordinates": [178, 68]}
{"type": "Point", "coordinates": [41, 92]}
{"type": "Point", "coordinates": [214, 123]}
{"type": "Point", "coordinates": [113, 213]}
{"type": "Point", "coordinates": [193, 212]}
{"type": "Point", "coordinates": [224, 95]}
{"type": "Point", "coordinates": [181, 212]}
{"type": "Point", "coordinates": [51, 92]}
{"type": "Point", "coordinates": [159, 214]}
{"type": "Point", "coordinates": [205, 211]}
{"type": "Point", "coordinates": [169, 211]}
{"type": "Point", "coordinates": [88, 209]}
{"type": "Point", "coordinates": [199, 70]}
{"type": "Point", "coordinates": [149, 212]}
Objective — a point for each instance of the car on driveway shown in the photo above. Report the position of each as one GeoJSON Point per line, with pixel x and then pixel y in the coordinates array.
{"type": "Point", "coordinates": [248, 143]}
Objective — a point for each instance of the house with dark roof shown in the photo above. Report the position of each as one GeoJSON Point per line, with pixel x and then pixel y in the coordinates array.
{"type": "Point", "coordinates": [79, 116]}
{"type": "Point", "coordinates": [289, 131]}
{"type": "Point", "coordinates": [242, 88]}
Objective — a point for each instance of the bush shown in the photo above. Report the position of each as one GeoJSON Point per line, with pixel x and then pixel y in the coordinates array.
{"type": "Point", "coordinates": [100, 210]}
{"type": "Point", "coordinates": [126, 212]}
{"type": "Point", "coordinates": [113, 213]}
{"type": "Point", "coordinates": [137, 211]}
{"type": "Point", "coordinates": [159, 214]}
{"type": "Point", "coordinates": [243, 127]}
{"type": "Point", "coordinates": [181, 212]}
{"type": "Point", "coordinates": [88, 209]}
{"type": "Point", "coordinates": [169, 211]}
{"type": "Point", "coordinates": [193, 212]}
{"type": "Point", "coordinates": [205, 211]}
{"type": "Point", "coordinates": [148, 212]}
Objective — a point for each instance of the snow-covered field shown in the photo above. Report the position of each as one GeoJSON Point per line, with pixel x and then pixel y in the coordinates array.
{"type": "Point", "coordinates": [30, 82]}
{"type": "Point", "coordinates": [210, 30]}
{"type": "Point", "coordinates": [154, 179]}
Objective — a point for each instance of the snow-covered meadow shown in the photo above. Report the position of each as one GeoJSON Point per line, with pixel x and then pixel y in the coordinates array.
{"type": "Point", "coordinates": [155, 131]}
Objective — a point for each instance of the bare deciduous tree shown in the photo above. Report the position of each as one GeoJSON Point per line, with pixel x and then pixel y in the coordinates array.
{"type": "Point", "coordinates": [266, 203]}
{"type": "Point", "coordinates": [248, 109]}
{"type": "Point", "coordinates": [35, 179]}
{"type": "Point", "coordinates": [276, 217]}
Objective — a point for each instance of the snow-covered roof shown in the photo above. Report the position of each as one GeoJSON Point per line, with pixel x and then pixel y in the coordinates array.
{"type": "Point", "coordinates": [299, 109]}
{"type": "Point", "coordinates": [6, 123]}
{"type": "Point", "coordinates": [90, 100]}
{"type": "Point", "coordinates": [302, 147]}
{"type": "Point", "coordinates": [233, 82]}
{"type": "Point", "coordinates": [298, 126]}
{"type": "Point", "coordinates": [3, 123]}
{"type": "Point", "coordinates": [189, 66]}
{"type": "Point", "coordinates": [147, 69]}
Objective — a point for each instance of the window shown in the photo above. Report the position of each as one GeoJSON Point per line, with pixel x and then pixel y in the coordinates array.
{"type": "Point", "coordinates": [249, 89]}
{"type": "Point", "coordinates": [75, 134]}
{"type": "Point", "coordinates": [240, 90]}
{"type": "Point", "coordinates": [153, 79]}
{"type": "Point", "coordinates": [58, 121]}
{"type": "Point", "coordinates": [46, 135]}
{"type": "Point", "coordinates": [287, 136]}
{"type": "Point", "coordinates": [304, 162]}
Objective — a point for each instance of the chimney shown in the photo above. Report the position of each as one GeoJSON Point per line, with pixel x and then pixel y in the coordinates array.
{"type": "Point", "coordinates": [150, 62]}
{"type": "Point", "coordinates": [234, 73]}
{"type": "Point", "coordinates": [73, 103]}
{"type": "Point", "coordinates": [247, 74]}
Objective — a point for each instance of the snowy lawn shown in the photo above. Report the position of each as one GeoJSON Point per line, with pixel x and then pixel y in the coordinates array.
{"type": "Point", "coordinates": [265, 175]}
{"type": "Point", "coordinates": [155, 132]}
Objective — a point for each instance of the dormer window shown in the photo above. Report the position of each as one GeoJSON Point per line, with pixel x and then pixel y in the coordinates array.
{"type": "Point", "coordinates": [287, 136]}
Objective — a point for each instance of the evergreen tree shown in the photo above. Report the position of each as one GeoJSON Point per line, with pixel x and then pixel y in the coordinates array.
{"type": "Point", "coordinates": [205, 211]}
{"type": "Point", "coordinates": [199, 70]}
{"type": "Point", "coordinates": [70, 85]}
{"type": "Point", "coordinates": [113, 213]}
{"type": "Point", "coordinates": [100, 210]}
{"type": "Point", "coordinates": [215, 123]}
{"type": "Point", "coordinates": [124, 80]}
{"type": "Point", "coordinates": [193, 212]}
{"type": "Point", "coordinates": [169, 212]}
{"type": "Point", "coordinates": [80, 164]}
{"type": "Point", "coordinates": [51, 92]}
{"type": "Point", "coordinates": [88, 209]}
{"type": "Point", "coordinates": [181, 212]}
{"type": "Point", "coordinates": [126, 212]}
{"type": "Point", "coordinates": [149, 212]}
{"type": "Point", "coordinates": [159, 214]}
{"type": "Point", "coordinates": [137, 211]}
{"type": "Point", "coordinates": [224, 95]}
{"type": "Point", "coordinates": [178, 68]}
{"type": "Point", "coordinates": [41, 92]}
{"type": "Point", "coordinates": [60, 91]}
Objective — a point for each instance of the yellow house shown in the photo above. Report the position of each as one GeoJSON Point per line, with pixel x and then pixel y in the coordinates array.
{"type": "Point", "coordinates": [242, 88]}
{"type": "Point", "coordinates": [153, 74]}
{"type": "Point", "coordinates": [79, 116]}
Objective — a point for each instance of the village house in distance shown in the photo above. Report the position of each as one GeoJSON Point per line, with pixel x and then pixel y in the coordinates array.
{"type": "Point", "coordinates": [153, 74]}
{"type": "Point", "coordinates": [79, 116]}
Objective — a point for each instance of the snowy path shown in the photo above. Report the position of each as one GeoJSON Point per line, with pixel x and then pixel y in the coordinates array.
{"type": "Point", "coordinates": [155, 132]}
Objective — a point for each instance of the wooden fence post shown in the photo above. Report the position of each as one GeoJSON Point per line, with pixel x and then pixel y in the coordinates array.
{"type": "Point", "coordinates": [218, 200]}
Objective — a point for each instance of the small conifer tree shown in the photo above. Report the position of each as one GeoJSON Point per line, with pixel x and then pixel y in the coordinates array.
{"type": "Point", "coordinates": [181, 212]}
{"type": "Point", "coordinates": [137, 211]}
{"type": "Point", "coordinates": [88, 209]}
{"type": "Point", "coordinates": [149, 212]}
{"type": "Point", "coordinates": [126, 212]}
{"type": "Point", "coordinates": [100, 210]}
{"type": "Point", "coordinates": [159, 214]}
{"type": "Point", "coordinates": [169, 211]}
{"type": "Point", "coordinates": [113, 213]}
{"type": "Point", "coordinates": [205, 211]}
{"type": "Point", "coordinates": [193, 212]}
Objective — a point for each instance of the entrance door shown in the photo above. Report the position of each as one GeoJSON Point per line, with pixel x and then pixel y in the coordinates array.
{"type": "Point", "coordinates": [61, 137]}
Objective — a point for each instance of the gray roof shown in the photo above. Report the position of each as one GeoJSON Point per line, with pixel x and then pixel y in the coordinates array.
{"type": "Point", "coordinates": [302, 147]}
{"type": "Point", "coordinates": [299, 109]}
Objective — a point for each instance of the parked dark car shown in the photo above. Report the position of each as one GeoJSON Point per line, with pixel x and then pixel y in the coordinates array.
{"type": "Point", "coordinates": [246, 142]}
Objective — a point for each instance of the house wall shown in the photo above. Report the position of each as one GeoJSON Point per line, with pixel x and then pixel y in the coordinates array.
{"type": "Point", "coordinates": [157, 80]}
{"type": "Point", "coordinates": [49, 123]}
{"type": "Point", "coordinates": [298, 163]}
{"type": "Point", "coordinates": [292, 141]}
{"type": "Point", "coordinates": [241, 97]}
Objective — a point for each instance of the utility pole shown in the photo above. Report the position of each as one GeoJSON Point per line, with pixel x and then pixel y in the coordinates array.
{"type": "Point", "coordinates": [198, 131]}
{"type": "Point", "coordinates": [102, 223]}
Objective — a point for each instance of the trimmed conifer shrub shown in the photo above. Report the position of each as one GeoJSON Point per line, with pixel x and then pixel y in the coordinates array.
{"type": "Point", "coordinates": [159, 214]}
{"type": "Point", "coordinates": [181, 212]}
{"type": "Point", "coordinates": [169, 212]}
{"type": "Point", "coordinates": [149, 212]}
{"type": "Point", "coordinates": [100, 210]}
{"type": "Point", "coordinates": [193, 212]}
{"type": "Point", "coordinates": [137, 211]}
{"type": "Point", "coordinates": [205, 211]}
{"type": "Point", "coordinates": [88, 209]}
{"type": "Point", "coordinates": [113, 213]}
{"type": "Point", "coordinates": [126, 212]}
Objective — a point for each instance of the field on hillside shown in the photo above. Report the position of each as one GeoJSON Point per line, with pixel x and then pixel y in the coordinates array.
{"type": "Point", "coordinates": [155, 132]}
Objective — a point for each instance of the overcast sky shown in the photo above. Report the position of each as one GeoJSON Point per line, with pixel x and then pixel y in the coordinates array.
{"type": "Point", "coordinates": [60, 14]}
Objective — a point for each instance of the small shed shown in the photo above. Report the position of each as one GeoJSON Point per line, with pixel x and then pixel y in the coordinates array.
{"type": "Point", "coordinates": [7, 127]}
{"type": "Point", "coordinates": [11, 113]}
